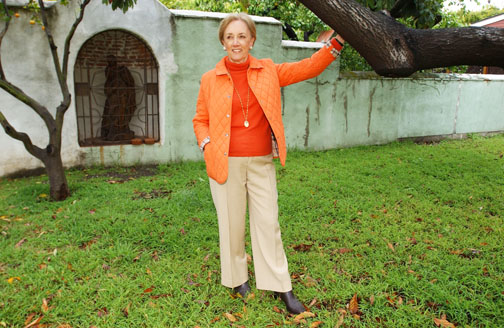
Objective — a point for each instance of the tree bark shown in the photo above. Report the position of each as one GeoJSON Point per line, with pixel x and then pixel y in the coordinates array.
{"type": "Point", "coordinates": [57, 179]}
{"type": "Point", "coordinates": [393, 49]}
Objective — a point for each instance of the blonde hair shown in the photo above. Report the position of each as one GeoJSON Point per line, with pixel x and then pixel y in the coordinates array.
{"type": "Point", "coordinates": [233, 17]}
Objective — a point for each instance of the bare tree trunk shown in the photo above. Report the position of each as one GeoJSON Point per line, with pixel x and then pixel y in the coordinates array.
{"type": "Point", "coordinates": [57, 178]}
{"type": "Point", "coordinates": [51, 155]}
{"type": "Point", "coordinates": [393, 49]}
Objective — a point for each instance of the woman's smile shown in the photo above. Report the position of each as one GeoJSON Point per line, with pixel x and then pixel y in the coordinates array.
{"type": "Point", "coordinates": [237, 41]}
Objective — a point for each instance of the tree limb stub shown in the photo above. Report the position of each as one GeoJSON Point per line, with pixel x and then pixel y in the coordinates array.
{"type": "Point", "coordinates": [24, 98]}
{"type": "Point", "coordinates": [23, 137]}
{"type": "Point", "coordinates": [393, 49]}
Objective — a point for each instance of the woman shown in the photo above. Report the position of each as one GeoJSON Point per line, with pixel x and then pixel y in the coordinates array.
{"type": "Point", "coordinates": [238, 125]}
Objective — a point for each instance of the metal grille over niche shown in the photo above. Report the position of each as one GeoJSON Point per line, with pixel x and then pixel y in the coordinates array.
{"type": "Point", "coordinates": [116, 91]}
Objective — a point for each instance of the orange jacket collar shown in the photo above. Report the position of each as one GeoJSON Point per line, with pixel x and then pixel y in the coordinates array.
{"type": "Point", "coordinates": [220, 68]}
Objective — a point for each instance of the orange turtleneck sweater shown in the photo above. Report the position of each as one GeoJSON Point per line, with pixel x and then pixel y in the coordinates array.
{"type": "Point", "coordinates": [256, 139]}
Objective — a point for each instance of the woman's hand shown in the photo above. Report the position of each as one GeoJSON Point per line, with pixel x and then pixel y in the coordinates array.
{"type": "Point", "coordinates": [340, 39]}
{"type": "Point", "coordinates": [337, 43]}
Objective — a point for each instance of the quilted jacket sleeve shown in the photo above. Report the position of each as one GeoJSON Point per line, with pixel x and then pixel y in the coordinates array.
{"type": "Point", "coordinates": [201, 119]}
{"type": "Point", "coordinates": [289, 73]}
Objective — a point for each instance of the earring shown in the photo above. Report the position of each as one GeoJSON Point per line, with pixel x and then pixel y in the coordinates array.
{"type": "Point", "coordinates": [251, 48]}
{"type": "Point", "coordinates": [223, 47]}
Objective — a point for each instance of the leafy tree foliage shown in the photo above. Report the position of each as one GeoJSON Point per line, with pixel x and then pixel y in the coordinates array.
{"type": "Point", "coordinates": [471, 17]}
{"type": "Point", "coordinates": [124, 5]}
{"type": "Point", "coordinates": [299, 23]}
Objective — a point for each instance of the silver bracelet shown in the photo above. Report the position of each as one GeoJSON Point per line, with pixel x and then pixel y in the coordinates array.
{"type": "Point", "coordinates": [334, 52]}
{"type": "Point", "coordinates": [203, 143]}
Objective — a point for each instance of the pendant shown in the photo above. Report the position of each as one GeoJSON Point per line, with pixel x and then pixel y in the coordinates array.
{"type": "Point", "coordinates": [246, 124]}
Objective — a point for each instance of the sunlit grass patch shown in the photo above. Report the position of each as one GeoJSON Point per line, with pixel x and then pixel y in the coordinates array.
{"type": "Point", "coordinates": [412, 233]}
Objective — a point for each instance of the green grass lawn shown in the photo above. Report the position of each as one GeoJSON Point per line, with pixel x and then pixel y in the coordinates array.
{"type": "Point", "coordinates": [415, 232]}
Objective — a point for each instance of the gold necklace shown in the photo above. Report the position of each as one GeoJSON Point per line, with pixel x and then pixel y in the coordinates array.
{"type": "Point", "coordinates": [245, 115]}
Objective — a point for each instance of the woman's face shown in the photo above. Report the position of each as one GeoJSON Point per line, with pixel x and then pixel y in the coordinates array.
{"type": "Point", "coordinates": [237, 41]}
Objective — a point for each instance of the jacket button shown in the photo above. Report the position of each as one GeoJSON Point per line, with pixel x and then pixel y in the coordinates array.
{"type": "Point", "coordinates": [226, 135]}
{"type": "Point", "coordinates": [227, 115]}
{"type": "Point", "coordinates": [225, 154]}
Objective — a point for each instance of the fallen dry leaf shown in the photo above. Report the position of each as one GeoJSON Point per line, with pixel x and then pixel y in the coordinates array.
{"type": "Point", "coordinates": [353, 307]}
{"type": "Point", "coordinates": [102, 312]}
{"type": "Point", "coordinates": [29, 318]}
{"type": "Point", "coordinates": [45, 306]}
{"type": "Point", "coordinates": [34, 322]}
{"type": "Point", "coordinates": [65, 325]}
{"type": "Point", "coordinates": [21, 242]}
{"type": "Point", "coordinates": [443, 323]}
{"type": "Point", "coordinates": [298, 319]}
{"type": "Point", "coordinates": [340, 321]}
{"type": "Point", "coordinates": [344, 250]}
{"type": "Point", "coordinates": [11, 279]}
{"type": "Point", "coordinates": [230, 317]}
{"type": "Point", "coordinates": [315, 324]}
{"type": "Point", "coordinates": [310, 282]}
{"type": "Point", "coordinates": [276, 309]}
{"type": "Point", "coordinates": [88, 243]}
{"type": "Point", "coordinates": [313, 302]}
{"type": "Point", "coordinates": [302, 247]}
{"type": "Point", "coordinates": [125, 311]}
{"type": "Point", "coordinates": [371, 300]}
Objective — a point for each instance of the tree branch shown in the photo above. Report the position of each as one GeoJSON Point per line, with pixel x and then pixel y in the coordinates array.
{"type": "Point", "coordinates": [54, 53]}
{"type": "Point", "coordinates": [35, 105]}
{"type": "Point", "coordinates": [23, 137]}
{"type": "Point", "coordinates": [70, 35]}
{"type": "Point", "coordinates": [392, 49]}
{"type": "Point", "coordinates": [290, 32]}
{"type": "Point", "coordinates": [60, 112]}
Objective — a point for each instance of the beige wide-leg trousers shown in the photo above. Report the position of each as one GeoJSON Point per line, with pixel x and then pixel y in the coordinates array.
{"type": "Point", "coordinates": [250, 180]}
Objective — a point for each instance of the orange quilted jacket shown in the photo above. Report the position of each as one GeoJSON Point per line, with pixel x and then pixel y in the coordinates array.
{"type": "Point", "coordinates": [213, 108]}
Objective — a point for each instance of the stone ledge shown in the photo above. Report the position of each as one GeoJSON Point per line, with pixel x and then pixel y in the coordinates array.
{"type": "Point", "coordinates": [219, 16]}
{"type": "Point", "coordinates": [361, 75]}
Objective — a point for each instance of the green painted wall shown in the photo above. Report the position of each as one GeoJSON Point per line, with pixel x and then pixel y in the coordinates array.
{"type": "Point", "coordinates": [331, 111]}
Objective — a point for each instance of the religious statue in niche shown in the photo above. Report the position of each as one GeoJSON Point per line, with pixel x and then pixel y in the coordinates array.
{"type": "Point", "coordinates": [120, 103]}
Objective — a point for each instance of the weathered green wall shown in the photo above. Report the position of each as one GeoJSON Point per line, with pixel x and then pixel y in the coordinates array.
{"type": "Point", "coordinates": [196, 49]}
{"type": "Point", "coordinates": [333, 110]}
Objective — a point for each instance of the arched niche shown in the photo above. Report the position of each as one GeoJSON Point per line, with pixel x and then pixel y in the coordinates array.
{"type": "Point", "coordinates": [116, 90]}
